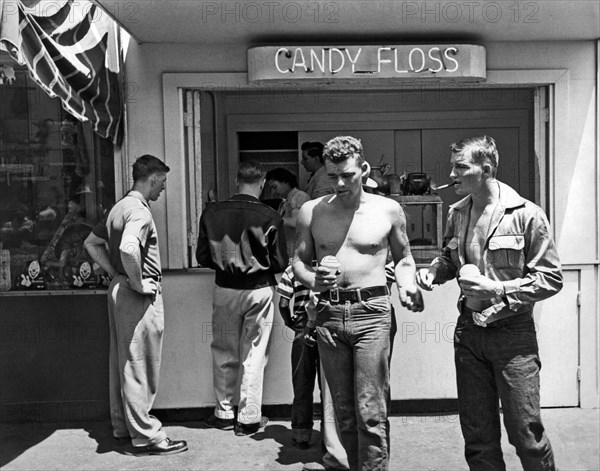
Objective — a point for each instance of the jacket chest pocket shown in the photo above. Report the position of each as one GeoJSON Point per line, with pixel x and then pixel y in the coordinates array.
{"type": "Point", "coordinates": [507, 251]}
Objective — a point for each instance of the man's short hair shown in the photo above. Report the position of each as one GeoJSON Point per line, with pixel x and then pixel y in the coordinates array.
{"type": "Point", "coordinates": [313, 149]}
{"type": "Point", "coordinates": [250, 172]}
{"type": "Point", "coordinates": [481, 149]}
{"type": "Point", "coordinates": [147, 165]}
{"type": "Point", "coordinates": [342, 148]}
{"type": "Point", "coordinates": [283, 175]}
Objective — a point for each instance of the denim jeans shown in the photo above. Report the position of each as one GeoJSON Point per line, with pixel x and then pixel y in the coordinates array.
{"type": "Point", "coordinates": [305, 369]}
{"type": "Point", "coordinates": [357, 369]}
{"type": "Point", "coordinates": [500, 362]}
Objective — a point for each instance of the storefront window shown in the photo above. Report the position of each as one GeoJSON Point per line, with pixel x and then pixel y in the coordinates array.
{"type": "Point", "coordinates": [56, 182]}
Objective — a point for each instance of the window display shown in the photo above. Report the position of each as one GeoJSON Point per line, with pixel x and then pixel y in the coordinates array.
{"type": "Point", "coordinates": [56, 182]}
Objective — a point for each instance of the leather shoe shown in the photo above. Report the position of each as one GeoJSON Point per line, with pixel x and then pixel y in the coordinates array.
{"type": "Point", "coordinates": [167, 447]}
{"type": "Point", "coordinates": [222, 424]}
{"type": "Point", "coordinates": [249, 429]}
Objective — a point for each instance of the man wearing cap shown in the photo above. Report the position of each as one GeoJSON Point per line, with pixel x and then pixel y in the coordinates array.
{"type": "Point", "coordinates": [353, 312]}
{"type": "Point", "coordinates": [499, 246]}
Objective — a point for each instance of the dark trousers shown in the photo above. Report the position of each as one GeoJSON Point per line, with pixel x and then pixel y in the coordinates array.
{"type": "Point", "coordinates": [500, 362]}
{"type": "Point", "coordinates": [305, 368]}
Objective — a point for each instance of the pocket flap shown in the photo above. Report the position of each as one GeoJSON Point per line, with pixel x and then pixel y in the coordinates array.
{"type": "Point", "coordinates": [514, 242]}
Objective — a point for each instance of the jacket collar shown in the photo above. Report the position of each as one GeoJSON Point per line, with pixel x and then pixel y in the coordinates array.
{"type": "Point", "coordinates": [244, 197]}
{"type": "Point", "coordinates": [509, 199]}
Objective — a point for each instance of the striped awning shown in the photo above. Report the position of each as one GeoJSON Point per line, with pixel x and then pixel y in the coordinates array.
{"type": "Point", "coordinates": [72, 50]}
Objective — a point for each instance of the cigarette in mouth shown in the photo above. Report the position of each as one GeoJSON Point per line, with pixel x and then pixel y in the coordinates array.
{"type": "Point", "coordinates": [332, 198]}
{"type": "Point", "coordinates": [447, 185]}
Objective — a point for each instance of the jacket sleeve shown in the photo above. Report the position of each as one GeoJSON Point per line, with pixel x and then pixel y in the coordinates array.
{"type": "Point", "coordinates": [445, 267]}
{"type": "Point", "coordinates": [542, 271]}
{"type": "Point", "coordinates": [203, 255]}
{"type": "Point", "coordinates": [277, 246]}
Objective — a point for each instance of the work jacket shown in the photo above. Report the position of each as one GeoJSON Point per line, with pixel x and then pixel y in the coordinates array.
{"type": "Point", "coordinates": [519, 251]}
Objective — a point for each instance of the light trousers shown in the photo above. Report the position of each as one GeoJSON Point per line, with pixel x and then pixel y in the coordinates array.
{"type": "Point", "coordinates": [242, 322]}
{"type": "Point", "coordinates": [136, 324]}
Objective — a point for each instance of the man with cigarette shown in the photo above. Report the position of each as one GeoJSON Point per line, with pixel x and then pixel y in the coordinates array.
{"type": "Point", "coordinates": [354, 230]}
{"type": "Point", "coordinates": [499, 246]}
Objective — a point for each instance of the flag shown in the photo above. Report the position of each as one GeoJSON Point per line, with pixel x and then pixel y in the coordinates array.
{"type": "Point", "coordinates": [72, 50]}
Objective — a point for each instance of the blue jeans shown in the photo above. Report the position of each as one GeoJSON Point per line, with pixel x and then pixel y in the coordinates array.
{"type": "Point", "coordinates": [357, 370]}
{"type": "Point", "coordinates": [500, 362]}
{"type": "Point", "coordinates": [305, 368]}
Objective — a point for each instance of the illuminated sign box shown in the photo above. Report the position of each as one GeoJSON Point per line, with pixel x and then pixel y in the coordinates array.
{"type": "Point", "coordinates": [460, 62]}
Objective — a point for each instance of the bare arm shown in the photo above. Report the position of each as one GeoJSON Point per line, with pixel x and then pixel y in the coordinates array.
{"type": "Point", "coordinates": [319, 279]}
{"type": "Point", "coordinates": [404, 264]}
{"type": "Point", "coordinates": [96, 247]}
{"type": "Point", "coordinates": [304, 250]}
{"type": "Point", "coordinates": [131, 256]}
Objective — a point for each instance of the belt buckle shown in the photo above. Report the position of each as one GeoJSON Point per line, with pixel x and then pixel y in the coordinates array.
{"type": "Point", "coordinates": [478, 318]}
{"type": "Point", "coordinates": [334, 295]}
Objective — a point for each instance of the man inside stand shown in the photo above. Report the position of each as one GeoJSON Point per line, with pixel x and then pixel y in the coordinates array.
{"type": "Point", "coordinates": [312, 160]}
{"type": "Point", "coordinates": [353, 311]}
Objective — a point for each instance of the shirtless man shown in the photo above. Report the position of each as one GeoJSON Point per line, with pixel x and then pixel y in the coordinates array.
{"type": "Point", "coordinates": [513, 263]}
{"type": "Point", "coordinates": [353, 312]}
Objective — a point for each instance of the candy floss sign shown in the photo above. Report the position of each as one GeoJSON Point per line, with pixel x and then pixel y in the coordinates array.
{"type": "Point", "coordinates": [463, 62]}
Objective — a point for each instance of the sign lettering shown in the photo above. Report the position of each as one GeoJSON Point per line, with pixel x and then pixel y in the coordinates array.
{"type": "Point", "coordinates": [354, 63]}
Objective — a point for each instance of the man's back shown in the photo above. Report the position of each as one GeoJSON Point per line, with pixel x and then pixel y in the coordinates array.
{"type": "Point", "coordinates": [131, 215]}
{"type": "Point", "coordinates": [241, 238]}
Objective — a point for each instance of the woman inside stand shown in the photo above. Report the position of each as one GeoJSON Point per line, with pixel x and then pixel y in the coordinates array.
{"type": "Point", "coordinates": [284, 184]}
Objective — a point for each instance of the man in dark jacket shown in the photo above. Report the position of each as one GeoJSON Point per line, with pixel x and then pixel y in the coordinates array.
{"type": "Point", "coordinates": [243, 240]}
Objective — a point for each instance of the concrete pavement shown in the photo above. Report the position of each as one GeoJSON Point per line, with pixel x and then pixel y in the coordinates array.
{"type": "Point", "coordinates": [418, 442]}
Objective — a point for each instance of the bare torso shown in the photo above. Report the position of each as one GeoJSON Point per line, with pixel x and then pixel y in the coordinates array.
{"type": "Point", "coordinates": [359, 239]}
{"type": "Point", "coordinates": [479, 224]}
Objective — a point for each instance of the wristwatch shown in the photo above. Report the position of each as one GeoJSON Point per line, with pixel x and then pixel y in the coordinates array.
{"type": "Point", "coordinates": [499, 295]}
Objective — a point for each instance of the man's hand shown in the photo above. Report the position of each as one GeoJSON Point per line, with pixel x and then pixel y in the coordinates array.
{"type": "Point", "coordinates": [289, 318]}
{"type": "Point", "coordinates": [324, 280]}
{"type": "Point", "coordinates": [425, 277]}
{"type": "Point", "coordinates": [309, 336]}
{"type": "Point", "coordinates": [411, 298]}
{"type": "Point", "coordinates": [326, 336]}
{"type": "Point", "coordinates": [481, 318]}
{"type": "Point", "coordinates": [147, 287]}
{"type": "Point", "coordinates": [479, 287]}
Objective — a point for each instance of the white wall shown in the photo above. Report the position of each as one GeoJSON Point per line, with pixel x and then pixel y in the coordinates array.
{"type": "Point", "coordinates": [574, 206]}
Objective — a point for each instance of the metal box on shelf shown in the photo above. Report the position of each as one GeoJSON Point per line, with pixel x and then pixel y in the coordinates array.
{"type": "Point", "coordinates": [423, 225]}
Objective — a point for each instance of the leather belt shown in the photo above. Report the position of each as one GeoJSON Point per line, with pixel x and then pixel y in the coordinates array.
{"type": "Point", "coordinates": [356, 295]}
